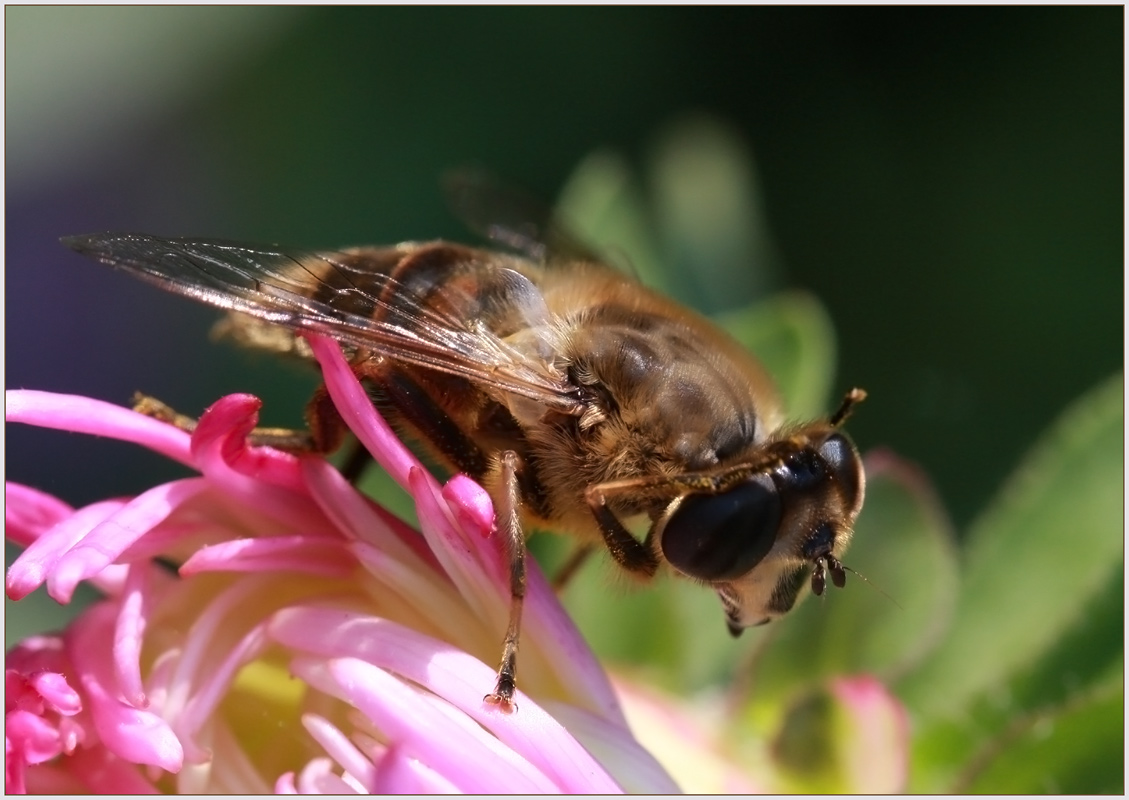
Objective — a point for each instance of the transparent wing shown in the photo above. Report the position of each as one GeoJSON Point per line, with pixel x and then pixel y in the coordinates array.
{"type": "Point", "coordinates": [510, 217]}
{"type": "Point", "coordinates": [488, 325]}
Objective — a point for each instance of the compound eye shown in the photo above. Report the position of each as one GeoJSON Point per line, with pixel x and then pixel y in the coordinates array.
{"type": "Point", "coordinates": [717, 537]}
{"type": "Point", "coordinates": [843, 462]}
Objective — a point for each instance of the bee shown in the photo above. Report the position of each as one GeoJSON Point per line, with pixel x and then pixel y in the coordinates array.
{"type": "Point", "coordinates": [580, 399]}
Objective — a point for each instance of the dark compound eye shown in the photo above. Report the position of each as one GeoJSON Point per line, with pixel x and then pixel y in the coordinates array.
{"type": "Point", "coordinates": [715, 537]}
{"type": "Point", "coordinates": [842, 462]}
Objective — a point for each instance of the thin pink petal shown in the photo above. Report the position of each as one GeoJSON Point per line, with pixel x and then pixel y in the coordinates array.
{"type": "Point", "coordinates": [137, 736]}
{"type": "Point", "coordinates": [478, 578]}
{"type": "Point", "coordinates": [358, 517]}
{"type": "Point", "coordinates": [486, 589]}
{"type": "Point", "coordinates": [425, 728]}
{"type": "Point", "coordinates": [110, 538]}
{"type": "Point", "coordinates": [565, 649]}
{"type": "Point", "coordinates": [632, 764]}
{"type": "Point", "coordinates": [68, 412]}
{"type": "Point", "coordinates": [35, 738]}
{"type": "Point", "coordinates": [303, 554]}
{"type": "Point", "coordinates": [56, 693]}
{"type": "Point", "coordinates": [355, 407]}
{"type": "Point", "coordinates": [471, 504]}
{"type": "Point", "coordinates": [213, 626]}
{"type": "Point", "coordinates": [209, 693]}
{"type": "Point", "coordinates": [317, 778]}
{"type": "Point", "coordinates": [230, 420]}
{"type": "Point", "coordinates": [15, 769]}
{"type": "Point", "coordinates": [399, 773]}
{"type": "Point", "coordinates": [129, 634]}
{"type": "Point", "coordinates": [221, 452]}
{"type": "Point", "coordinates": [452, 674]}
{"type": "Point", "coordinates": [33, 566]}
{"type": "Point", "coordinates": [337, 745]}
{"type": "Point", "coordinates": [431, 596]}
{"type": "Point", "coordinates": [29, 513]}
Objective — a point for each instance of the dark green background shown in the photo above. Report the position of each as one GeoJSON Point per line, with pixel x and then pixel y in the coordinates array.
{"type": "Point", "coordinates": [948, 181]}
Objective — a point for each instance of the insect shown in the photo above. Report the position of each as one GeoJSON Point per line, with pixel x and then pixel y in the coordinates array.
{"type": "Point", "coordinates": [580, 399]}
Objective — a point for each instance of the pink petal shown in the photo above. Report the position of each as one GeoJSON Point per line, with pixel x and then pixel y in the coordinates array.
{"type": "Point", "coordinates": [432, 597]}
{"type": "Point", "coordinates": [471, 504]}
{"type": "Point", "coordinates": [209, 692]}
{"type": "Point", "coordinates": [263, 479]}
{"type": "Point", "coordinates": [197, 672]}
{"type": "Point", "coordinates": [302, 554]}
{"type": "Point", "coordinates": [399, 773]}
{"type": "Point", "coordinates": [452, 674]}
{"type": "Point", "coordinates": [317, 778]}
{"type": "Point", "coordinates": [28, 513]}
{"type": "Point", "coordinates": [77, 414]}
{"type": "Point", "coordinates": [576, 665]}
{"type": "Point", "coordinates": [15, 769]}
{"type": "Point", "coordinates": [629, 762]}
{"type": "Point", "coordinates": [229, 421]}
{"type": "Point", "coordinates": [358, 517]}
{"type": "Point", "coordinates": [129, 634]}
{"type": "Point", "coordinates": [110, 538]}
{"type": "Point", "coordinates": [426, 728]}
{"type": "Point", "coordinates": [56, 693]}
{"type": "Point", "coordinates": [35, 739]}
{"type": "Point", "coordinates": [339, 748]}
{"type": "Point", "coordinates": [355, 407]}
{"type": "Point", "coordinates": [136, 736]}
{"type": "Point", "coordinates": [476, 571]}
{"type": "Point", "coordinates": [469, 562]}
{"type": "Point", "coordinates": [876, 746]}
{"type": "Point", "coordinates": [38, 561]}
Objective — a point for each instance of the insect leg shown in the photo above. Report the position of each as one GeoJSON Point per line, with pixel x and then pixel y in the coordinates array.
{"type": "Point", "coordinates": [628, 551]}
{"type": "Point", "coordinates": [509, 526]}
{"type": "Point", "coordinates": [324, 435]}
{"type": "Point", "coordinates": [403, 400]}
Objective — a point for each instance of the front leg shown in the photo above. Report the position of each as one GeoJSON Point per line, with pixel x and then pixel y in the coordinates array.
{"type": "Point", "coordinates": [628, 552]}
{"type": "Point", "coordinates": [509, 526]}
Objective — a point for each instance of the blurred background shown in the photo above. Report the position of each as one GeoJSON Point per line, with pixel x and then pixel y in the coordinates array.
{"type": "Point", "coordinates": [949, 182]}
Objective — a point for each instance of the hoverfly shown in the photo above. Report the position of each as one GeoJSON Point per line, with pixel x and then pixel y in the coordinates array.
{"type": "Point", "coordinates": [579, 398]}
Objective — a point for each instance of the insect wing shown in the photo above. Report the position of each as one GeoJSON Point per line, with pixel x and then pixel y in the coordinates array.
{"type": "Point", "coordinates": [511, 218]}
{"type": "Point", "coordinates": [345, 295]}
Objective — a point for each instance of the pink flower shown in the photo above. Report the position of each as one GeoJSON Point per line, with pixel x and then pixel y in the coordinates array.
{"type": "Point", "coordinates": [309, 641]}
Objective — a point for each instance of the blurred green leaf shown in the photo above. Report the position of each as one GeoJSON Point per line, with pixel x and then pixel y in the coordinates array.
{"type": "Point", "coordinates": [904, 547]}
{"type": "Point", "coordinates": [1084, 654]}
{"type": "Point", "coordinates": [602, 206]}
{"type": "Point", "coordinates": [672, 623]}
{"type": "Point", "coordinates": [708, 212]}
{"type": "Point", "coordinates": [1036, 559]}
{"type": "Point", "coordinates": [793, 337]}
{"type": "Point", "coordinates": [1078, 749]}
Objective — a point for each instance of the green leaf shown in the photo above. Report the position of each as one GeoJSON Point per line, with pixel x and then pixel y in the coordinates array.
{"type": "Point", "coordinates": [1077, 749]}
{"type": "Point", "coordinates": [602, 206]}
{"type": "Point", "coordinates": [792, 335]}
{"type": "Point", "coordinates": [709, 213]}
{"type": "Point", "coordinates": [672, 626]}
{"type": "Point", "coordinates": [1048, 546]}
{"type": "Point", "coordinates": [903, 545]}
